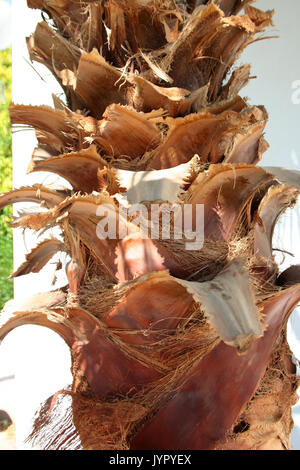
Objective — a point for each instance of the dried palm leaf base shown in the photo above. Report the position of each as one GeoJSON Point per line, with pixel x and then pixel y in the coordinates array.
{"type": "Point", "coordinates": [175, 345]}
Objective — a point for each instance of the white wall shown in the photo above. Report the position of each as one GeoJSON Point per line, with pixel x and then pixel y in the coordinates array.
{"type": "Point", "coordinates": [42, 364]}
{"type": "Point", "coordinates": [5, 24]}
{"type": "Point", "coordinates": [276, 63]}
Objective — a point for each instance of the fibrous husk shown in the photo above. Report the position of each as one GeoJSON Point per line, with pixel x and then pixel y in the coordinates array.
{"type": "Point", "coordinates": [275, 202]}
{"type": "Point", "coordinates": [226, 191]}
{"type": "Point", "coordinates": [39, 257]}
{"type": "Point", "coordinates": [79, 168]}
{"type": "Point", "coordinates": [266, 422]}
{"type": "Point", "coordinates": [229, 136]}
{"type": "Point", "coordinates": [135, 141]}
{"type": "Point", "coordinates": [162, 330]}
{"type": "Point", "coordinates": [286, 176]}
{"type": "Point", "coordinates": [207, 47]}
{"type": "Point", "coordinates": [37, 193]}
{"type": "Point", "coordinates": [209, 383]}
{"type": "Point", "coordinates": [155, 41]}
{"type": "Point", "coordinates": [186, 381]}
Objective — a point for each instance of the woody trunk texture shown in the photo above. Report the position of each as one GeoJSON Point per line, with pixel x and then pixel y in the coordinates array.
{"type": "Point", "coordinates": [173, 346]}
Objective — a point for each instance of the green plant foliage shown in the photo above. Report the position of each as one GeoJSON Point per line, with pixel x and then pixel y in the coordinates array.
{"type": "Point", "coordinates": [6, 242]}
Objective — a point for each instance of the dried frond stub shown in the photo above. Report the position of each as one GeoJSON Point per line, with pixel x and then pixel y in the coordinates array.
{"type": "Point", "coordinates": [175, 344]}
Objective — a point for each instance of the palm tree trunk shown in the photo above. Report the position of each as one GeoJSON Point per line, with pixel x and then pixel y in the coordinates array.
{"type": "Point", "coordinates": [177, 342]}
